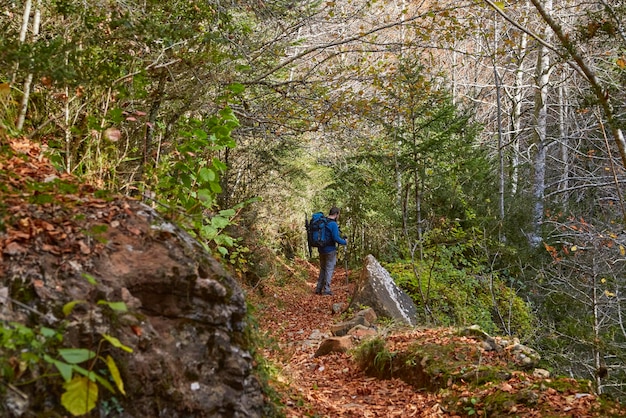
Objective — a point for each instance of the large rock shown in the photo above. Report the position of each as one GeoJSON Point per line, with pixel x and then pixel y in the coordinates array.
{"type": "Point", "coordinates": [377, 290]}
{"type": "Point", "coordinates": [186, 316]}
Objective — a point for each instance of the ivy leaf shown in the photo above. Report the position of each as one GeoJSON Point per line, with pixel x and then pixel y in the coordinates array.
{"type": "Point", "coordinates": [80, 396]}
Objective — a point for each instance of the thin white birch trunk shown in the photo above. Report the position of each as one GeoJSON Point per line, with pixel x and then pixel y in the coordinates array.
{"type": "Point", "coordinates": [24, 29]}
{"type": "Point", "coordinates": [29, 79]}
{"type": "Point", "coordinates": [563, 135]}
{"type": "Point", "coordinates": [542, 74]}
{"type": "Point", "coordinates": [516, 123]}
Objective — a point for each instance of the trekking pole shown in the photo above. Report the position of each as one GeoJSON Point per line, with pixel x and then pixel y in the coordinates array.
{"type": "Point", "coordinates": [345, 256]}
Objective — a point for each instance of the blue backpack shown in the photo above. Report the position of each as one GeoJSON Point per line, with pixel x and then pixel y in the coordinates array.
{"type": "Point", "coordinates": [318, 235]}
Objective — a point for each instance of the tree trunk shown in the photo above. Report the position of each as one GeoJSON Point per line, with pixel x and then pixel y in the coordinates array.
{"type": "Point", "coordinates": [29, 78]}
{"type": "Point", "coordinates": [152, 119]}
{"type": "Point", "coordinates": [516, 122]}
{"type": "Point", "coordinates": [542, 74]}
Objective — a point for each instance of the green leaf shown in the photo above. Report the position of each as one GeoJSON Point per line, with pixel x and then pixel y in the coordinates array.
{"type": "Point", "coordinates": [76, 355]}
{"type": "Point", "coordinates": [115, 115]}
{"type": "Point", "coordinates": [206, 174]}
{"type": "Point", "coordinates": [236, 87]}
{"type": "Point", "coordinates": [115, 374]}
{"type": "Point", "coordinates": [63, 368]}
{"type": "Point", "coordinates": [94, 377]}
{"type": "Point", "coordinates": [227, 213]}
{"type": "Point", "coordinates": [116, 306]}
{"type": "Point", "coordinates": [69, 306]}
{"type": "Point", "coordinates": [216, 188]}
{"type": "Point", "coordinates": [92, 280]}
{"type": "Point", "coordinates": [206, 196]}
{"type": "Point", "coordinates": [500, 4]}
{"type": "Point", "coordinates": [220, 222]}
{"type": "Point", "coordinates": [80, 396]}
{"type": "Point", "coordinates": [220, 166]}
{"type": "Point", "coordinates": [116, 343]}
{"type": "Point", "coordinates": [48, 332]}
{"type": "Point", "coordinates": [209, 232]}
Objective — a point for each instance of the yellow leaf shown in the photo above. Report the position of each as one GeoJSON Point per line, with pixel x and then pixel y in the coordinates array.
{"type": "Point", "coordinates": [499, 4]}
{"type": "Point", "coordinates": [574, 248]}
{"type": "Point", "coordinates": [115, 374]}
{"type": "Point", "coordinates": [609, 294]}
{"type": "Point", "coordinates": [80, 395]}
{"type": "Point", "coordinates": [621, 62]}
{"type": "Point", "coordinates": [603, 280]}
{"type": "Point", "coordinates": [5, 89]}
{"type": "Point", "coordinates": [622, 250]}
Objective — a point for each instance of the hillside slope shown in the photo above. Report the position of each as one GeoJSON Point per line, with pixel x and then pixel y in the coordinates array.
{"type": "Point", "coordinates": [295, 320]}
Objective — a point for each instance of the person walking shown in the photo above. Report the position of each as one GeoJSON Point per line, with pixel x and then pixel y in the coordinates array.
{"type": "Point", "coordinates": [328, 254]}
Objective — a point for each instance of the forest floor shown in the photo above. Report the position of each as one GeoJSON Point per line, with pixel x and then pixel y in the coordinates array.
{"type": "Point", "coordinates": [289, 312]}
{"type": "Point", "coordinates": [329, 386]}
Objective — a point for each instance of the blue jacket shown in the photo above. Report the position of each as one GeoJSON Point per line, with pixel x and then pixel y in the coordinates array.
{"type": "Point", "coordinates": [334, 232]}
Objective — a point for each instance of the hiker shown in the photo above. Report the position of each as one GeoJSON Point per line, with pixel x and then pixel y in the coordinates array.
{"type": "Point", "coordinates": [328, 254]}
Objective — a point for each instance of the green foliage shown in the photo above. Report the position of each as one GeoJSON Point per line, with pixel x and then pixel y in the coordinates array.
{"type": "Point", "coordinates": [25, 351]}
{"type": "Point", "coordinates": [35, 347]}
{"type": "Point", "coordinates": [452, 286]}
{"type": "Point", "coordinates": [374, 358]}
{"type": "Point", "coordinates": [187, 181]}
{"type": "Point", "coordinates": [423, 166]}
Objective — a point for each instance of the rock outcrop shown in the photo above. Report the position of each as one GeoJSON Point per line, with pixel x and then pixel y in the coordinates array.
{"type": "Point", "coordinates": [69, 262]}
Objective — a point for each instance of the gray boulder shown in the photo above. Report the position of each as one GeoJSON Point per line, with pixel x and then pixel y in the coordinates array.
{"type": "Point", "coordinates": [377, 290]}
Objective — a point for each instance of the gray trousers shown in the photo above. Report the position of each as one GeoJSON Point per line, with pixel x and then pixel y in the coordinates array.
{"type": "Point", "coordinates": [327, 267]}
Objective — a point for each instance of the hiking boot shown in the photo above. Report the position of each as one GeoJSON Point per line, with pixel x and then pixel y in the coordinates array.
{"type": "Point", "coordinates": [328, 293]}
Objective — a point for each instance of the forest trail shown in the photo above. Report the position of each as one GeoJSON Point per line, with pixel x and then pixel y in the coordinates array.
{"type": "Point", "coordinates": [289, 312]}
{"type": "Point", "coordinates": [331, 385]}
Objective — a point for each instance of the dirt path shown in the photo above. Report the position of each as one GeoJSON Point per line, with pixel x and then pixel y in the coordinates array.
{"type": "Point", "coordinates": [328, 386]}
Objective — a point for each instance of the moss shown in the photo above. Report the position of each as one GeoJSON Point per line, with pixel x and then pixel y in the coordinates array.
{"type": "Point", "coordinates": [566, 384]}
{"type": "Point", "coordinates": [461, 297]}
{"type": "Point", "coordinates": [374, 358]}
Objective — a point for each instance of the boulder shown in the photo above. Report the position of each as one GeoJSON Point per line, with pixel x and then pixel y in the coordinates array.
{"type": "Point", "coordinates": [185, 318]}
{"type": "Point", "coordinates": [334, 345]}
{"type": "Point", "coordinates": [341, 328]}
{"type": "Point", "coordinates": [360, 332]}
{"type": "Point", "coordinates": [377, 290]}
{"type": "Point", "coordinates": [369, 314]}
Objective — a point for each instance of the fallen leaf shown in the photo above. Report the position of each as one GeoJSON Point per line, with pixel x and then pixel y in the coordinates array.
{"type": "Point", "coordinates": [137, 330]}
{"type": "Point", "coordinates": [84, 248]}
{"type": "Point", "coordinates": [13, 248]}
